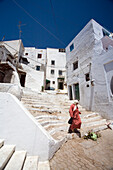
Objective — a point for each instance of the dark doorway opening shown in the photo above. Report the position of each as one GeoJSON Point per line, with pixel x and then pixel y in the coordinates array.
{"type": "Point", "coordinates": [70, 92]}
{"type": "Point", "coordinates": [60, 85]}
{"type": "Point", "coordinates": [77, 95]}
{"type": "Point", "coordinates": [22, 80]}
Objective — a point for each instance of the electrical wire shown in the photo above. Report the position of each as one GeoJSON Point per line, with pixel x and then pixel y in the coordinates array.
{"type": "Point", "coordinates": [38, 22]}
{"type": "Point", "coordinates": [30, 57]}
{"type": "Point", "coordinates": [53, 15]}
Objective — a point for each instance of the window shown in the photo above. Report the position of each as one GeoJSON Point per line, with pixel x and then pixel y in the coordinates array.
{"type": "Point", "coordinates": [62, 50]}
{"type": "Point", "coordinates": [52, 62]}
{"type": "Point", "coordinates": [26, 53]}
{"type": "Point", "coordinates": [87, 77]}
{"type": "Point", "coordinates": [71, 47]}
{"type": "Point", "coordinates": [52, 71]}
{"type": "Point", "coordinates": [37, 68]}
{"type": "Point", "coordinates": [39, 56]}
{"type": "Point", "coordinates": [75, 65]}
{"type": "Point", "coordinates": [105, 32]}
{"type": "Point", "coordinates": [60, 72]}
{"type": "Point", "coordinates": [53, 82]}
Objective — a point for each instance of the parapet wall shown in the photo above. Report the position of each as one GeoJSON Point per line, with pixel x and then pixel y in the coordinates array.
{"type": "Point", "coordinates": [19, 127]}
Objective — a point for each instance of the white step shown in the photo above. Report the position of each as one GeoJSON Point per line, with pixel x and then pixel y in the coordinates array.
{"type": "Point", "coordinates": [17, 160]}
{"type": "Point", "coordinates": [31, 163]}
{"type": "Point", "coordinates": [5, 154]}
{"type": "Point", "coordinates": [90, 115]}
{"type": "Point", "coordinates": [62, 128]}
{"type": "Point", "coordinates": [56, 122]}
{"type": "Point", "coordinates": [44, 110]}
{"type": "Point", "coordinates": [91, 119]}
{"type": "Point", "coordinates": [1, 142]}
{"type": "Point", "coordinates": [96, 123]}
{"type": "Point", "coordinates": [48, 117]}
{"type": "Point", "coordinates": [44, 165]}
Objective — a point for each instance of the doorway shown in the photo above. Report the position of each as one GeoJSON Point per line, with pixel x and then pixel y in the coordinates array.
{"type": "Point", "coordinates": [76, 91]}
{"type": "Point", "coordinates": [60, 85]}
{"type": "Point", "coordinates": [70, 92]}
{"type": "Point", "coordinates": [22, 80]}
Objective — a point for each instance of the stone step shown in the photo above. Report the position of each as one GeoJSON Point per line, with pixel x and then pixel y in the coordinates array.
{"type": "Point", "coordinates": [93, 129]}
{"type": "Point", "coordinates": [31, 100]}
{"type": "Point", "coordinates": [36, 102]}
{"type": "Point", "coordinates": [91, 119]}
{"type": "Point", "coordinates": [44, 110]}
{"type": "Point", "coordinates": [50, 127]}
{"type": "Point", "coordinates": [95, 123]}
{"type": "Point", "coordinates": [31, 163]}
{"type": "Point", "coordinates": [58, 129]}
{"type": "Point", "coordinates": [88, 115]}
{"type": "Point", "coordinates": [17, 161]}
{"type": "Point", "coordinates": [44, 165]}
{"type": "Point", "coordinates": [41, 107]}
{"type": "Point", "coordinates": [5, 154]}
{"type": "Point", "coordinates": [1, 142]}
{"type": "Point", "coordinates": [48, 117]}
{"type": "Point", "coordinates": [56, 122]}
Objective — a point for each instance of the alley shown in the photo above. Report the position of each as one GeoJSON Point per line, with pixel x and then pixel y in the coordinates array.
{"type": "Point", "coordinates": [52, 111]}
{"type": "Point", "coordinates": [85, 154]}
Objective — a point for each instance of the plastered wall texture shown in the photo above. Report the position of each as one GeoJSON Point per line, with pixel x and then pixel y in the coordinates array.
{"type": "Point", "coordinates": [20, 128]}
{"type": "Point", "coordinates": [34, 79]}
{"type": "Point", "coordinates": [91, 56]}
{"type": "Point", "coordinates": [60, 63]}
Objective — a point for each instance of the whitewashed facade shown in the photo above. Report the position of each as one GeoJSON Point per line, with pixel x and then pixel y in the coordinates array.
{"type": "Point", "coordinates": [90, 69]}
{"type": "Point", "coordinates": [51, 62]}
{"type": "Point", "coordinates": [11, 74]}
{"type": "Point", "coordinates": [34, 61]}
{"type": "Point", "coordinates": [55, 69]}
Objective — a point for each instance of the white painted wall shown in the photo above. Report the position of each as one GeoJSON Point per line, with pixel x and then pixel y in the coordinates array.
{"type": "Point", "coordinates": [102, 72]}
{"type": "Point", "coordinates": [82, 52]}
{"type": "Point", "coordinates": [34, 79]}
{"type": "Point", "coordinates": [91, 56]}
{"type": "Point", "coordinates": [33, 56]}
{"type": "Point", "coordinates": [60, 63]}
{"type": "Point", "coordinates": [19, 127]}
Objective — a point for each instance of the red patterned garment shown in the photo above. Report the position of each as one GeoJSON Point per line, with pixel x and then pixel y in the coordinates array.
{"type": "Point", "coordinates": [74, 113]}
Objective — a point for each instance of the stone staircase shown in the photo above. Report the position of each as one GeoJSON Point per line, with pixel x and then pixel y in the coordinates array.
{"type": "Point", "coordinates": [52, 112]}
{"type": "Point", "coordinates": [18, 160]}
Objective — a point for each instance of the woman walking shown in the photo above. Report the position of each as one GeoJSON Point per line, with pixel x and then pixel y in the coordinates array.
{"type": "Point", "coordinates": [76, 120]}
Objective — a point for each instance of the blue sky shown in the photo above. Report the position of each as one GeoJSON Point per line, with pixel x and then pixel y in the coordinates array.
{"type": "Point", "coordinates": [51, 23]}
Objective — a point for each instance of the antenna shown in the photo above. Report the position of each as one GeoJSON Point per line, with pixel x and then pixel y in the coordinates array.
{"type": "Point", "coordinates": [3, 37]}
{"type": "Point", "coordinates": [19, 26]}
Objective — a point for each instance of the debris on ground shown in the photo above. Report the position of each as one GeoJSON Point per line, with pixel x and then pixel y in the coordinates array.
{"type": "Point", "coordinates": [110, 125]}
{"type": "Point", "coordinates": [92, 135]}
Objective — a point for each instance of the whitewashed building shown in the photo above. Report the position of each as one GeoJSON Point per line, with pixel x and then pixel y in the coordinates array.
{"type": "Point", "coordinates": [12, 77]}
{"type": "Point", "coordinates": [51, 62]}
{"type": "Point", "coordinates": [90, 69]}
{"type": "Point", "coordinates": [34, 61]}
{"type": "Point", "coordinates": [55, 69]}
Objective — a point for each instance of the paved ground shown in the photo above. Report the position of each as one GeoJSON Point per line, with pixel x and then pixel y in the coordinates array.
{"type": "Point", "coordinates": [85, 154]}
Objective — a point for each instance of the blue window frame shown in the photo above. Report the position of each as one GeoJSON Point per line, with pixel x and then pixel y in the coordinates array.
{"type": "Point", "coordinates": [71, 47]}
